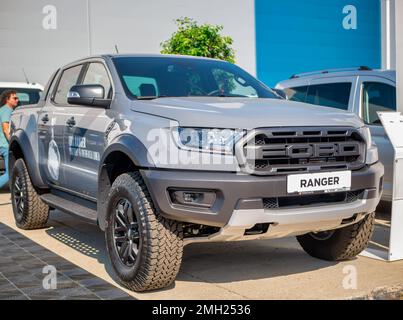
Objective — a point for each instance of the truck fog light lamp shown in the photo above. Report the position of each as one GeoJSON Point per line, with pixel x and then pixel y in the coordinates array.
{"type": "Point", "coordinates": [195, 198]}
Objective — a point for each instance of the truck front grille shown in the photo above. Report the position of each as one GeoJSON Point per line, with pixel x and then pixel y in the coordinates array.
{"type": "Point", "coordinates": [312, 199]}
{"type": "Point", "coordinates": [271, 151]}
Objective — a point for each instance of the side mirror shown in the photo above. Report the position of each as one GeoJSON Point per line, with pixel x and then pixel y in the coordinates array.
{"type": "Point", "coordinates": [88, 95]}
{"type": "Point", "coordinates": [280, 92]}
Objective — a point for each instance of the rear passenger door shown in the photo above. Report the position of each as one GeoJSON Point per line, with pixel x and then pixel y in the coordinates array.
{"type": "Point", "coordinates": [379, 94]}
{"type": "Point", "coordinates": [85, 137]}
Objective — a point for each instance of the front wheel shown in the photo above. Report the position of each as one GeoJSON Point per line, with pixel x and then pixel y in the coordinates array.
{"type": "Point", "coordinates": [30, 212]}
{"type": "Point", "coordinates": [339, 244]}
{"type": "Point", "coordinates": [145, 249]}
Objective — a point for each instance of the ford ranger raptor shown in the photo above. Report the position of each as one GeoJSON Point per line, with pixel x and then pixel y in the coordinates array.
{"type": "Point", "coordinates": [161, 151]}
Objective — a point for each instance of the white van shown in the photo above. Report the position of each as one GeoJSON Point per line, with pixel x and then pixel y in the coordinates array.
{"type": "Point", "coordinates": [28, 93]}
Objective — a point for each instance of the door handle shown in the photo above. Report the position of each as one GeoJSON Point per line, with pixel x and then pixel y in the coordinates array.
{"type": "Point", "coordinates": [71, 122]}
{"type": "Point", "coordinates": [45, 118]}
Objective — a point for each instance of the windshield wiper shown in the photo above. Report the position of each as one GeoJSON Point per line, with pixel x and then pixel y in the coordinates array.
{"type": "Point", "coordinates": [150, 97]}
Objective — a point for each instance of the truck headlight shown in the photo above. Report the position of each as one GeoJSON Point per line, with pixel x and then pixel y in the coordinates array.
{"type": "Point", "coordinates": [372, 150]}
{"type": "Point", "coordinates": [366, 134]}
{"type": "Point", "coordinates": [209, 140]}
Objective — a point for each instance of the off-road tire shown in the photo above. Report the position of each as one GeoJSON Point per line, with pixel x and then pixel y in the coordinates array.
{"type": "Point", "coordinates": [33, 212]}
{"type": "Point", "coordinates": [160, 249]}
{"type": "Point", "coordinates": [344, 244]}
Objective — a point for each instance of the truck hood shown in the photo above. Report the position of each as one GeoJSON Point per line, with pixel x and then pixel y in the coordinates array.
{"type": "Point", "coordinates": [244, 113]}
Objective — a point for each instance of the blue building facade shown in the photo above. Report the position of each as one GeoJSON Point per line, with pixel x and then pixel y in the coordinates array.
{"type": "Point", "coordinates": [296, 36]}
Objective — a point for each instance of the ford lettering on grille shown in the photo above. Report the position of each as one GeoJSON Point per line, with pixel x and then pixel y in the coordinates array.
{"type": "Point", "coordinates": [297, 150]}
{"type": "Point", "coordinates": [323, 150]}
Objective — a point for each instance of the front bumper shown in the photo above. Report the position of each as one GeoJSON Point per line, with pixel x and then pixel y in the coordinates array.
{"type": "Point", "coordinates": [239, 198]}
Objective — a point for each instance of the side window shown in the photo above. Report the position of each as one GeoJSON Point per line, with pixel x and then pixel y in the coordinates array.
{"type": "Point", "coordinates": [51, 85]}
{"type": "Point", "coordinates": [28, 96]}
{"type": "Point", "coordinates": [334, 95]}
{"type": "Point", "coordinates": [297, 93]}
{"type": "Point", "coordinates": [377, 96]}
{"type": "Point", "coordinates": [68, 79]}
{"type": "Point", "coordinates": [97, 74]}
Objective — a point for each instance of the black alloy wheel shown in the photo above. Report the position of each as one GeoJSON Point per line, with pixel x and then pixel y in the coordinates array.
{"type": "Point", "coordinates": [126, 233]}
{"type": "Point", "coordinates": [19, 196]}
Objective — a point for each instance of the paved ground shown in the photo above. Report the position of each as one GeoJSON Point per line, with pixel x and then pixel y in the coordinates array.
{"type": "Point", "coordinates": [24, 270]}
{"type": "Point", "coordinates": [263, 269]}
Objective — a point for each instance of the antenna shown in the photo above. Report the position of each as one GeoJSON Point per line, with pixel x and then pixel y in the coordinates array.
{"type": "Point", "coordinates": [25, 75]}
{"type": "Point", "coordinates": [116, 48]}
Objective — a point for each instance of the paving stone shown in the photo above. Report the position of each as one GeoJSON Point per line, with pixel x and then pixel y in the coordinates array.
{"type": "Point", "coordinates": [87, 297]}
{"type": "Point", "coordinates": [111, 294]}
{"type": "Point", "coordinates": [91, 282]}
{"type": "Point", "coordinates": [21, 273]}
{"type": "Point", "coordinates": [10, 294]}
{"type": "Point", "coordinates": [100, 287]}
{"type": "Point", "coordinates": [6, 287]}
{"type": "Point", "coordinates": [16, 297]}
{"type": "Point", "coordinates": [78, 277]}
{"type": "Point", "coordinates": [44, 297]}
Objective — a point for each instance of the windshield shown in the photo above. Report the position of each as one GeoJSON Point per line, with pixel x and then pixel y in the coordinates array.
{"type": "Point", "coordinates": [151, 77]}
{"type": "Point", "coordinates": [25, 96]}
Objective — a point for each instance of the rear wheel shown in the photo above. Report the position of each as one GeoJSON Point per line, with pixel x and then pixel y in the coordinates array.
{"type": "Point", "coordinates": [339, 244]}
{"type": "Point", "coordinates": [145, 249]}
{"type": "Point", "coordinates": [30, 212]}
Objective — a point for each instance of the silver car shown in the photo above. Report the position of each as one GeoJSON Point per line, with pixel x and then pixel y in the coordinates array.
{"type": "Point", "coordinates": [360, 90]}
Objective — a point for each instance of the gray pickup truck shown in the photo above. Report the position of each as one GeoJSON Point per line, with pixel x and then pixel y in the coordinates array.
{"type": "Point", "coordinates": [161, 151]}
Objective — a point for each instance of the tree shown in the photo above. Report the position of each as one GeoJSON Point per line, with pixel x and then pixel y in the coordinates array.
{"type": "Point", "coordinates": [199, 40]}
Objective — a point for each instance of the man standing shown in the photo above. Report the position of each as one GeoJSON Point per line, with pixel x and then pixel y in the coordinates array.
{"type": "Point", "coordinates": [9, 102]}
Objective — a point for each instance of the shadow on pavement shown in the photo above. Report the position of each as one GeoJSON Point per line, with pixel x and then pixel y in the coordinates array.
{"type": "Point", "coordinates": [247, 260]}
{"type": "Point", "coordinates": [83, 237]}
{"type": "Point", "coordinates": [207, 262]}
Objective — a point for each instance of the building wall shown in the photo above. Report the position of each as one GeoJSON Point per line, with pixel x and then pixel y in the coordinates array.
{"type": "Point", "coordinates": [296, 36]}
{"type": "Point", "coordinates": [388, 34]}
{"type": "Point", "coordinates": [25, 43]}
{"type": "Point", "coordinates": [31, 39]}
{"type": "Point", "coordinates": [272, 39]}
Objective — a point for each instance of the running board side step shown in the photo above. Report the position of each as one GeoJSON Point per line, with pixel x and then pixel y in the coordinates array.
{"type": "Point", "coordinates": [68, 206]}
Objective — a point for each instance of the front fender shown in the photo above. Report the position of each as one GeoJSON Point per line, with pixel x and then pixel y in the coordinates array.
{"type": "Point", "coordinates": [20, 141]}
{"type": "Point", "coordinates": [135, 150]}
{"type": "Point", "coordinates": [132, 147]}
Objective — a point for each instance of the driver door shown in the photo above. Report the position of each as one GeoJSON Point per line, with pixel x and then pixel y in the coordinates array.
{"type": "Point", "coordinates": [85, 136]}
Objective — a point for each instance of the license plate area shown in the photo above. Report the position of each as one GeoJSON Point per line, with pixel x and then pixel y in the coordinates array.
{"type": "Point", "coordinates": [319, 182]}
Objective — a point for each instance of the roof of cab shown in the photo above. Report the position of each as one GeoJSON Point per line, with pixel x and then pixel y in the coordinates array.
{"type": "Point", "coordinates": [136, 55]}
{"type": "Point", "coordinates": [156, 55]}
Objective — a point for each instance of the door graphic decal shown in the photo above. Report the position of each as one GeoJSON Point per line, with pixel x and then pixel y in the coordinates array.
{"type": "Point", "coordinates": [53, 155]}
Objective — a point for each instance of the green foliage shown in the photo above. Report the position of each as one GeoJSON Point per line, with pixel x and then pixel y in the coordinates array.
{"type": "Point", "coordinates": [199, 40]}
